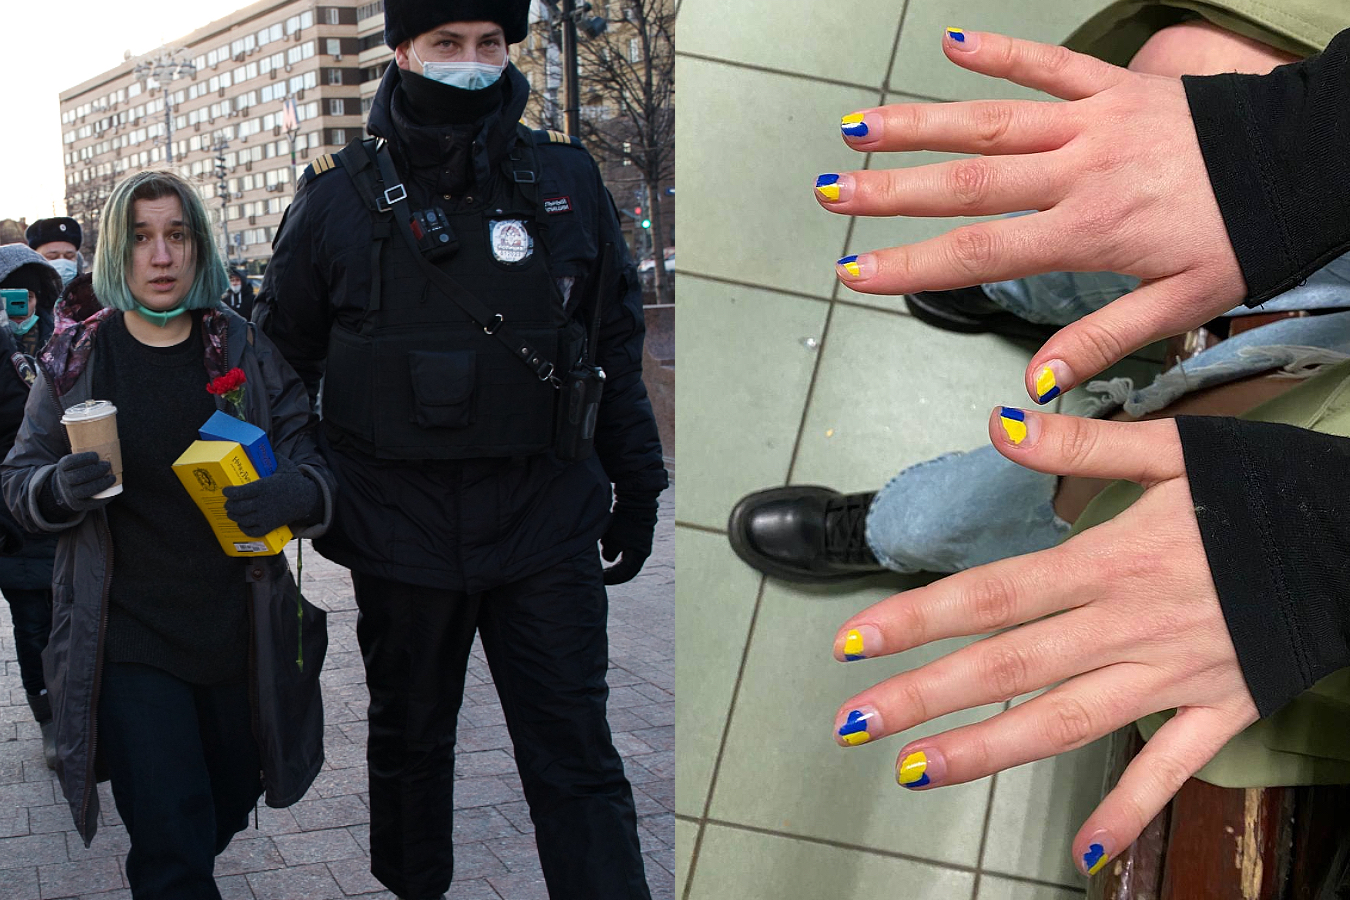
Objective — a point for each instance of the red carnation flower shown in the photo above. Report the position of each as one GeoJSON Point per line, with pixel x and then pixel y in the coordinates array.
{"type": "Point", "coordinates": [231, 387]}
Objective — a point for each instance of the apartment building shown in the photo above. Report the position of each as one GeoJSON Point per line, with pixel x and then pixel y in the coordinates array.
{"type": "Point", "coordinates": [227, 104]}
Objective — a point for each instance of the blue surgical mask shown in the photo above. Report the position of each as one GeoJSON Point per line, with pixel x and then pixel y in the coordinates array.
{"type": "Point", "coordinates": [467, 76]}
{"type": "Point", "coordinates": [155, 317]}
{"type": "Point", "coordinates": [67, 269]}
{"type": "Point", "coordinates": [22, 328]}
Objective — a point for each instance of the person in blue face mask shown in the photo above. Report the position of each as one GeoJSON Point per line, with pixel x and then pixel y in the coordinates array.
{"type": "Point", "coordinates": [460, 511]}
{"type": "Point", "coordinates": [58, 241]}
{"type": "Point", "coordinates": [22, 267]}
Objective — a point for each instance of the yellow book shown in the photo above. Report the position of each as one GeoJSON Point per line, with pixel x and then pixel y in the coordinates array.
{"type": "Point", "coordinates": [207, 467]}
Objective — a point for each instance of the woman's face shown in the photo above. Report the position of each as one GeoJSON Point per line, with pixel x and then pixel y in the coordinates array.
{"type": "Point", "coordinates": [163, 264]}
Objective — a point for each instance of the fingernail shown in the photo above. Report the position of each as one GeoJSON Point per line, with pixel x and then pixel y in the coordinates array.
{"type": "Point", "coordinates": [834, 188]}
{"type": "Point", "coordinates": [858, 726]}
{"type": "Point", "coordinates": [861, 126]}
{"type": "Point", "coordinates": [1051, 379]}
{"type": "Point", "coordinates": [860, 643]}
{"type": "Point", "coordinates": [1098, 853]}
{"type": "Point", "coordinates": [920, 769]}
{"type": "Point", "coordinates": [1015, 424]}
{"type": "Point", "coordinates": [960, 40]}
{"type": "Point", "coordinates": [856, 266]}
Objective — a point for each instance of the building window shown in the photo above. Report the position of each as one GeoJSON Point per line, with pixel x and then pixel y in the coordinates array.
{"type": "Point", "coordinates": [339, 136]}
{"type": "Point", "coordinates": [335, 107]}
{"type": "Point", "coordinates": [366, 10]}
{"type": "Point", "coordinates": [334, 45]}
{"type": "Point", "coordinates": [335, 76]}
{"type": "Point", "coordinates": [333, 16]}
{"type": "Point", "coordinates": [634, 50]}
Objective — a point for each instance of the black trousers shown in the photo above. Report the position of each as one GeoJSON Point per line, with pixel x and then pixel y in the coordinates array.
{"type": "Point", "coordinates": [31, 611]}
{"type": "Point", "coordinates": [548, 651]}
{"type": "Point", "coordinates": [184, 767]}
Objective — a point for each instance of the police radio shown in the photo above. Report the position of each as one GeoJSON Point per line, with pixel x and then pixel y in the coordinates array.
{"type": "Point", "coordinates": [582, 387]}
{"type": "Point", "coordinates": [435, 238]}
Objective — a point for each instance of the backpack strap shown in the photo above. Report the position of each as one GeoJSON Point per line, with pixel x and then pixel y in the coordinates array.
{"type": "Point", "coordinates": [357, 158]}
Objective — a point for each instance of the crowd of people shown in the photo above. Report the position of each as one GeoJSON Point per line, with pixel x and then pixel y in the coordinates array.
{"type": "Point", "coordinates": [485, 437]}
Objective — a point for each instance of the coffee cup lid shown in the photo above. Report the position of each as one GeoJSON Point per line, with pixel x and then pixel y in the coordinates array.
{"type": "Point", "coordinates": [88, 410]}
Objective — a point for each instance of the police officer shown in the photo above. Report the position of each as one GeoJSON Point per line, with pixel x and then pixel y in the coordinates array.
{"type": "Point", "coordinates": [450, 285]}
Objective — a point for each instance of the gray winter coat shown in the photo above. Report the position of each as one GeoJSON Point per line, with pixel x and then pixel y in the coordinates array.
{"type": "Point", "coordinates": [287, 707]}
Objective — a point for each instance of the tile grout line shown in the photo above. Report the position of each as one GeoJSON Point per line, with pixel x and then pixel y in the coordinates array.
{"type": "Point", "coordinates": [888, 854]}
{"type": "Point", "coordinates": [726, 734]}
{"type": "Point", "coordinates": [706, 529]}
{"type": "Point", "coordinates": [984, 832]}
{"type": "Point", "coordinates": [693, 859]}
{"type": "Point", "coordinates": [817, 79]}
{"type": "Point", "coordinates": [720, 279]}
{"type": "Point", "coordinates": [895, 51]}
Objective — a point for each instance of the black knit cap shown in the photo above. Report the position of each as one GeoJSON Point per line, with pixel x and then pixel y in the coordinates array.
{"type": "Point", "coordinates": [61, 228]}
{"type": "Point", "coordinates": [406, 19]}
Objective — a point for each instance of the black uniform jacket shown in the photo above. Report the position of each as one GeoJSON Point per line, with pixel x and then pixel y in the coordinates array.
{"type": "Point", "coordinates": [465, 524]}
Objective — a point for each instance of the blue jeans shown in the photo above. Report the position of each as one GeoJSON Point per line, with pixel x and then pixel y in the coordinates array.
{"type": "Point", "coordinates": [185, 774]}
{"type": "Point", "coordinates": [966, 509]}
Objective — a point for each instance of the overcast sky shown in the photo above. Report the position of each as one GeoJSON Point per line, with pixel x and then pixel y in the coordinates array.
{"type": "Point", "coordinates": [53, 45]}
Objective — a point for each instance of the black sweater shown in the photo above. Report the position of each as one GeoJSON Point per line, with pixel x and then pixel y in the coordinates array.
{"type": "Point", "coordinates": [1270, 499]}
{"type": "Point", "coordinates": [177, 602]}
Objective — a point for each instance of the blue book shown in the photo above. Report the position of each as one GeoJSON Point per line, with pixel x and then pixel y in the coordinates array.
{"type": "Point", "coordinates": [225, 427]}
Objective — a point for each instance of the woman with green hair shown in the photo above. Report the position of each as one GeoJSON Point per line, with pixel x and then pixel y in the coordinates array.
{"type": "Point", "coordinates": [187, 676]}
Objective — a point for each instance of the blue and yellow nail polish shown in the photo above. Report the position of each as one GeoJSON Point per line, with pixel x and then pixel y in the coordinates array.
{"type": "Point", "coordinates": [827, 186]}
{"type": "Point", "coordinates": [850, 265]}
{"type": "Point", "coordinates": [913, 771]}
{"type": "Point", "coordinates": [854, 729]}
{"type": "Point", "coordinates": [1047, 388]}
{"type": "Point", "coordinates": [957, 35]}
{"type": "Point", "coordinates": [853, 646]}
{"type": "Point", "coordinates": [1095, 858]}
{"type": "Point", "coordinates": [853, 126]}
{"type": "Point", "coordinates": [1014, 423]}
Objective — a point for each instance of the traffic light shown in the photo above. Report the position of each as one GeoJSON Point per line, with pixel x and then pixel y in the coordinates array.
{"type": "Point", "coordinates": [637, 213]}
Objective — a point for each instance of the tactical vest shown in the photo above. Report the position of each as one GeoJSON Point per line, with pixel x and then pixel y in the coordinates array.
{"type": "Point", "coordinates": [419, 378]}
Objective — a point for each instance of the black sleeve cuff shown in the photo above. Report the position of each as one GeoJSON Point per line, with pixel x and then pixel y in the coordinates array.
{"type": "Point", "coordinates": [1271, 505]}
{"type": "Point", "coordinates": [1274, 147]}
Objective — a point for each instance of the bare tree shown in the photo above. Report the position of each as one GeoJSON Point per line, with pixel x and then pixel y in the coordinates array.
{"type": "Point", "coordinates": [630, 68]}
{"type": "Point", "coordinates": [84, 204]}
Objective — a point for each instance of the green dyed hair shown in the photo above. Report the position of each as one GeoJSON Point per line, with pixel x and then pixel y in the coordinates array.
{"type": "Point", "coordinates": [116, 240]}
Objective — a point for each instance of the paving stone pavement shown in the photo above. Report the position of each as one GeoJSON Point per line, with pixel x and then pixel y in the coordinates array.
{"type": "Point", "coordinates": [317, 849]}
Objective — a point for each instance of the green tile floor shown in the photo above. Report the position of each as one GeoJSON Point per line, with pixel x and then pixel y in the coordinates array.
{"type": "Point", "coordinates": [786, 377]}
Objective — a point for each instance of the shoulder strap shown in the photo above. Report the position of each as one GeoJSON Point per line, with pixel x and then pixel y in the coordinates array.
{"type": "Point", "coordinates": [357, 158]}
{"type": "Point", "coordinates": [395, 198]}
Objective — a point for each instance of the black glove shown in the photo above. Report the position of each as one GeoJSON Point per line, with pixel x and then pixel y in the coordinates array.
{"type": "Point", "coordinates": [286, 496]}
{"type": "Point", "coordinates": [78, 477]}
{"type": "Point", "coordinates": [631, 526]}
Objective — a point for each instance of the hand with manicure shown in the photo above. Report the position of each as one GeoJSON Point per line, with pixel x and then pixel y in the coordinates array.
{"type": "Point", "coordinates": [1122, 619]}
{"type": "Point", "coordinates": [1116, 177]}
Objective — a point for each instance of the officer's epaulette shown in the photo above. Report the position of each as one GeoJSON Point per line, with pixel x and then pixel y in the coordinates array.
{"type": "Point", "coordinates": [545, 136]}
{"type": "Point", "coordinates": [325, 163]}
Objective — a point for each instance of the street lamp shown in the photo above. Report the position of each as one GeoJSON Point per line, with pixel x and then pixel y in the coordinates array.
{"type": "Point", "coordinates": [573, 15]}
{"type": "Point", "coordinates": [164, 69]}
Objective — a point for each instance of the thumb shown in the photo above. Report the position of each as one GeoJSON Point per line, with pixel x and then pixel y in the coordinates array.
{"type": "Point", "coordinates": [1097, 341]}
{"type": "Point", "coordinates": [1143, 452]}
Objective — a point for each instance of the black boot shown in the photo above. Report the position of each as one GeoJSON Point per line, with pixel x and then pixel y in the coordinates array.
{"type": "Point", "coordinates": [804, 533]}
{"type": "Point", "coordinates": [42, 712]}
{"type": "Point", "coordinates": [970, 311]}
